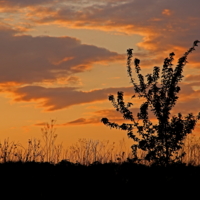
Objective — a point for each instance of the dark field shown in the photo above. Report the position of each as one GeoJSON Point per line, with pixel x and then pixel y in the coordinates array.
{"type": "Point", "coordinates": [65, 180]}
{"type": "Point", "coordinates": [43, 171]}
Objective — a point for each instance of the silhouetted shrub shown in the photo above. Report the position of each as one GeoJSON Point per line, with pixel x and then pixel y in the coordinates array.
{"type": "Point", "coordinates": [163, 140]}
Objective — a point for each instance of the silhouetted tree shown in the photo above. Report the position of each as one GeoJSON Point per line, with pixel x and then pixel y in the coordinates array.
{"type": "Point", "coordinates": [162, 140]}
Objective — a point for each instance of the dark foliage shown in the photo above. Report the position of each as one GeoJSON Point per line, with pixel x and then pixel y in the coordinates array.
{"type": "Point", "coordinates": [160, 141]}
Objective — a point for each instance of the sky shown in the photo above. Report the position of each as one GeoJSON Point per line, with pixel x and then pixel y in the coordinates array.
{"type": "Point", "coordinates": [61, 59]}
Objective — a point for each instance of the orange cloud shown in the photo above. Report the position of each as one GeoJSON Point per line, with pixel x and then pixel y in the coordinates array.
{"type": "Point", "coordinates": [111, 114]}
{"type": "Point", "coordinates": [192, 78]}
{"type": "Point", "coordinates": [96, 118]}
{"type": "Point", "coordinates": [82, 121]}
{"type": "Point", "coordinates": [184, 106]}
{"type": "Point", "coordinates": [58, 98]}
{"type": "Point", "coordinates": [166, 12]}
{"type": "Point", "coordinates": [71, 80]}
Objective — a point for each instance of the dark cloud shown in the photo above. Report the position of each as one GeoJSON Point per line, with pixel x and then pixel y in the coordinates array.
{"type": "Point", "coordinates": [26, 59]}
{"type": "Point", "coordinates": [82, 121]}
{"type": "Point", "coordinates": [59, 98]}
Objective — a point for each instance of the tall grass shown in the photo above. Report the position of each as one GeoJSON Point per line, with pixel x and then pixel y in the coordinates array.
{"type": "Point", "coordinates": [192, 148]}
{"type": "Point", "coordinates": [89, 151]}
{"type": "Point", "coordinates": [84, 151]}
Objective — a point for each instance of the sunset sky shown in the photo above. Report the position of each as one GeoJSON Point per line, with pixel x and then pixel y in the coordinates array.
{"type": "Point", "coordinates": [60, 59]}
